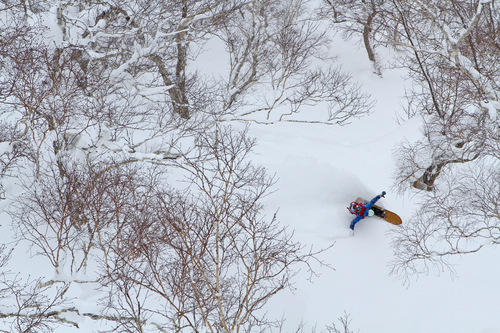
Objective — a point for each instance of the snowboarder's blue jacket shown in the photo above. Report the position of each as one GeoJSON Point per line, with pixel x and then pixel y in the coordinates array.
{"type": "Point", "coordinates": [364, 212]}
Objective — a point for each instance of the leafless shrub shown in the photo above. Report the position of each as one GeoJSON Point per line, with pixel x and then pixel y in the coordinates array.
{"type": "Point", "coordinates": [29, 306]}
{"type": "Point", "coordinates": [65, 212]}
{"type": "Point", "coordinates": [207, 254]}
{"type": "Point", "coordinates": [355, 18]}
{"type": "Point", "coordinates": [460, 218]}
{"type": "Point", "coordinates": [345, 325]}
{"type": "Point", "coordinates": [281, 48]}
{"type": "Point", "coordinates": [14, 147]}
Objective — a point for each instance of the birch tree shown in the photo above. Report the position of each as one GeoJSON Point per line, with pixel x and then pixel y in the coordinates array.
{"type": "Point", "coordinates": [208, 255]}
{"type": "Point", "coordinates": [450, 49]}
{"type": "Point", "coordinates": [455, 57]}
{"type": "Point", "coordinates": [363, 18]}
{"type": "Point", "coordinates": [462, 218]}
{"type": "Point", "coordinates": [282, 49]}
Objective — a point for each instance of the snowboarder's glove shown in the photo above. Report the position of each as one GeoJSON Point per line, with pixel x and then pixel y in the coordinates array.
{"type": "Point", "coordinates": [383, 194]}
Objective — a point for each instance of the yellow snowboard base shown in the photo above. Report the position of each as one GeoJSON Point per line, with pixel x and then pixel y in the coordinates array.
{"type": "Point", "coordinates": [389, 216]}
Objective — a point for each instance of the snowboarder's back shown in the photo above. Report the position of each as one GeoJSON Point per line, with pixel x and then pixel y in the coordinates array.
{"type": "Point", "coordinates": [362, 210]}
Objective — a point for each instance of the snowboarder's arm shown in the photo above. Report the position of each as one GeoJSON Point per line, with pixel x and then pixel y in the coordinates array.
{"type": "Point", "coordinates": [355, 220]}
{"type": "Point", "coordinates": [374, 200]}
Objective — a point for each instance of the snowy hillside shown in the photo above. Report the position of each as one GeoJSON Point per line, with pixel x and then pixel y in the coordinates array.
{"type": "Point", "coordinates": [321, 169]}
{"type": "Point", "coordinates": [139, 141]}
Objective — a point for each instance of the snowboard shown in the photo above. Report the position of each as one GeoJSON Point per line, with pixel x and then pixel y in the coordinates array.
{"type": "Point", "coordinates": [383, 213]}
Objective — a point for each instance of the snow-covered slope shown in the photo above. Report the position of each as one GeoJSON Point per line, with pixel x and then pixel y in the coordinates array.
{"type": "Point", "coordinates": [320, 170]}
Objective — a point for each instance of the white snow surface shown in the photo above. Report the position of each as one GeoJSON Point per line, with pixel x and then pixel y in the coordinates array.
{"type": "Point", "coordinates": [320, 170]}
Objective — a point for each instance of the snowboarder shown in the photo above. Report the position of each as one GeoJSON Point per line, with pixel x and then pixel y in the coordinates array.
{"type": "Point", "coordinates": [362, 210]}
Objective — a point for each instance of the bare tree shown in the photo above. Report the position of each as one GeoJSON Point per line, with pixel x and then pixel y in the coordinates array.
{"type": "Point", "coordinates": [208, 255]}
{"type": "Point", "coordinates": [153, 40]}
{"type": "Point", "coordinates": [452, 96]}
{"type": "Point", "coordinates": [355, 18]}
{"type": "Point", "coordinates": [204, 252]}
{"type": "Point", "coordinates": [33, 307]}
{"type": "Point", "coordinates": [457, 91]}
{"type": "Point", "coordinates": [282, 49]}
{"type": "Point", "coordinates": [460, 217]}
{"type": "Point", "coordinates": [16, 39]}
{"type": "Point", "coordinates": [454, 48]}
{"type": "Point", "coordinates": [345, 325]}
{"type": "Point", "coordinates": [118, 80]}
{"type": "Point", "coordinates": [27, 304]}
{"type": "Point", "coordinates": [66, 214]}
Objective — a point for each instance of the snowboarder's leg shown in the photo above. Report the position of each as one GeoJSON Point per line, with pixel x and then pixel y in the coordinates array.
{"type": "Point", "coordinates": [378, 211]}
